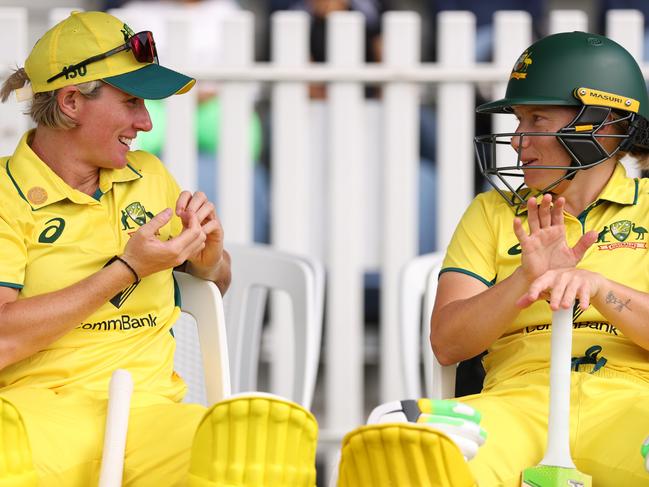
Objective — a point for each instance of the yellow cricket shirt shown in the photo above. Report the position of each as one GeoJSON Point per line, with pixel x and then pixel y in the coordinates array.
{"type": "Point", "coordinates": [52, 236]}
{"type": "Point", "coordinates": [485, 247]}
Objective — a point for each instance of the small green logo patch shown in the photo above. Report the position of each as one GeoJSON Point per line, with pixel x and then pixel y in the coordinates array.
{"type": "Point", "coordinates": [515, 250]}
{"type": "Point", "coordinates": [136, 213]}
{"type": "Point", "coordinates": [621, 230]}
{"type": "Point", "coordinates": [52, 231]}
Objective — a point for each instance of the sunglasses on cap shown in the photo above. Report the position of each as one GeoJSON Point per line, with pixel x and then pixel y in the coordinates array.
{"type": "Point", "coordinates": [141, 45]}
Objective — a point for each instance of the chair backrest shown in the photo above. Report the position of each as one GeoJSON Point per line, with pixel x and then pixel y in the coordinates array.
{"type": "Point", "coordinates": [204, 336]}
{"type": "Point", "coordinates": [418, 288]}
{"type": "Point", "coordinates": [256, 270]}
{"type": "Point", "coordinates": [440, 378]}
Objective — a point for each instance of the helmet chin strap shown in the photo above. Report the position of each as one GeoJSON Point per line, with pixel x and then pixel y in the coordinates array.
{"type": "Point", "coordinates": [572, 174]}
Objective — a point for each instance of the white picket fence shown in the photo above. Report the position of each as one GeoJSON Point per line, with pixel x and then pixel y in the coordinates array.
{"type": "Point", "coordinates": [344, 187]}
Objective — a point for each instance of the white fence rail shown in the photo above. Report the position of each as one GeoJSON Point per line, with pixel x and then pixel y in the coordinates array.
{"type": "Point", "coordinates": [343, 189]}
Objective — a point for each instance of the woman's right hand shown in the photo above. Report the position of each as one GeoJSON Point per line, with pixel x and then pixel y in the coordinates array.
{"type": "Point", "coordinates": [546, 248]}
{"type": "Point", "coordinates": [147, 254]}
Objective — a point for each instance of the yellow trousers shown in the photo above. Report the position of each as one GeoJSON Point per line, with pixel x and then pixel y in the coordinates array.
{"type": "Point", "coordinates": [609, 420]}
{"type": "Point", "coordinates": [66, 432]}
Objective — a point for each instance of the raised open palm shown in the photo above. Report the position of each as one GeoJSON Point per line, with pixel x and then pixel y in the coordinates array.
{"type": "Point", "coordinates": [545, 247]}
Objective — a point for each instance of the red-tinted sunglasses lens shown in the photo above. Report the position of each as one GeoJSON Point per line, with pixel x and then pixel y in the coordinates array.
{"type": "Point", "coordinates": [143, 47]}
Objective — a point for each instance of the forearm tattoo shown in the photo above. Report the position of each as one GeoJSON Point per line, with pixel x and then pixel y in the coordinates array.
{"type": "Point", "coordinates": [617, 302]}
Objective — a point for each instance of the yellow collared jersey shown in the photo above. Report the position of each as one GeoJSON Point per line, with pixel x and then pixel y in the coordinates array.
{"type": "Point", "coordinates": [485, 247]}
{"type": "Point", "coordinates": [54, 236]}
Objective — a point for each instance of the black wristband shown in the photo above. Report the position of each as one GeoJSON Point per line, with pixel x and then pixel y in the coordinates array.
{"type": "Point", "coordinates": [137, 278]}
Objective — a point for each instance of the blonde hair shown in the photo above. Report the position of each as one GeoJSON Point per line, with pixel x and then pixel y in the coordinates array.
{"type": "Point", "coordinates": [641, 157]}
{"type": "Point", "coordinates": [44, 108]}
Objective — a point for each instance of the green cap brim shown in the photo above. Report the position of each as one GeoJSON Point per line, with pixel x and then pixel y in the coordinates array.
{"type": "Point", "coordinates": [152, 82]}
{"type": "Point", "coordinates": [504, 105]}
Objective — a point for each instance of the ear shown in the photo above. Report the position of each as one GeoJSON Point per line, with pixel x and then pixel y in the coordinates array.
{"type": "Point", "coordinates": [617, 129]}
{"type": "Point", "coordinates": [610, 128]}
{"type": "Point", "coordinates": [69, 100]}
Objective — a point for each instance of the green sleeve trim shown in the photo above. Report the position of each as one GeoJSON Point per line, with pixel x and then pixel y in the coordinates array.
{"type": "Point", "coordinates": [468, 273]}
{"type": "Point", "coordinates": [178, 301]}
{"type": "Point", "coordinates": [11, 285]}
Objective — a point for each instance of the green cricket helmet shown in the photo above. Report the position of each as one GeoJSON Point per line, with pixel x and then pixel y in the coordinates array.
{"type": "Point", "coordinates": [572, 69]}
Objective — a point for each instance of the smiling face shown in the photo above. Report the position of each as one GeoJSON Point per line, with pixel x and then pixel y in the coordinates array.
{"type": "Point", "coordinates": [540, 151]}
{"type": "Point", "coordinates": [108, 124]}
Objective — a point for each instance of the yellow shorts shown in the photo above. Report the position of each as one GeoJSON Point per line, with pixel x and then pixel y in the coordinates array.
{"type": "Point", "coordinates": [66, 432]}
{"type": "Point", "coordinates": [609, 420]}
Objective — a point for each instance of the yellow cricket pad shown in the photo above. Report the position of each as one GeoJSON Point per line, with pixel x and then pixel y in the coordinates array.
{"type": "Point", "coordinates": [255, 441]}
{"type": "Point", "coordinates": [401, 455]}
{"type": "Point", "coordinates": [16, 466]}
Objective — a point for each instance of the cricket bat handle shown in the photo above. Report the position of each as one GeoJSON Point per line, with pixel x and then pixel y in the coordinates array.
{"type": "Point", "coordinates": [119, 402]}
{"type": "Point", "coordinates": [557, 452]}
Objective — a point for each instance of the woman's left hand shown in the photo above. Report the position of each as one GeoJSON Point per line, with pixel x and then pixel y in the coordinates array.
{"type": "Point", "coordinates": [197, 204]}
{"type": "Point", "coordinates": [546, 248]}
{"type": "Point", "coordinates": [562, 287]}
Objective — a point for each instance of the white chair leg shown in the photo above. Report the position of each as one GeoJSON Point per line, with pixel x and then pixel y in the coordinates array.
{"type": "Point", "coordinates": [119, 404]}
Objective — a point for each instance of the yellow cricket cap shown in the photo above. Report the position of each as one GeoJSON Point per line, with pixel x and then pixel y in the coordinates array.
{"type": "Point", "coordinates": [83, 35]}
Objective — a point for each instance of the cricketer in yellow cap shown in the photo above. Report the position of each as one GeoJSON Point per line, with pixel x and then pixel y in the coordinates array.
{"type": "Point", "coordinates": [90, 232]}
{"type": "Point", "coordinates": [60, 58]}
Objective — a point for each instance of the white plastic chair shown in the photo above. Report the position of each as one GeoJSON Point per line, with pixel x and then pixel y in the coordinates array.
{"type": "Point", "coordinates": [257, 269]}
{"type": "Point", "coordinates": [203, 336]}
{"type": "Point", "coordinates": [418, 288]}
{"type": "Point", "coordinates": [208, 379]}
{"type": "Point", "coordinates": [442, 378]}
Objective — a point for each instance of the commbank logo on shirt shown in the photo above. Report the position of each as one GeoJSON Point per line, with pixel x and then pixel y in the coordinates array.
{"type": "Point", "coordinates": [120, 298]}
{"type": "Point", "coordinates": [123, 322]}
{"type": "Point", "coordinates": [591, 325]}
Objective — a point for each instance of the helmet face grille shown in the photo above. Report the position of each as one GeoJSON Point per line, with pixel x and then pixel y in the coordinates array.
{"type": "Point", "coordinates": [503, 169]}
